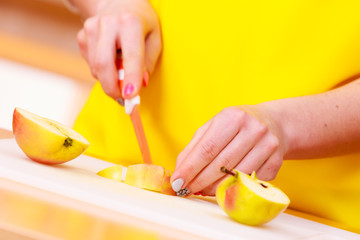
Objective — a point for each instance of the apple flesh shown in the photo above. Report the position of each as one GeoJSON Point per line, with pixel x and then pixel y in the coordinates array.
{"type": "Point", "coordinates": [150, 177]}
{"type": "Point", "coordinates": [114, 173]}
{"type": "Point", "coordinates": [249, 200]}
{"type": "Point", "coordinates": [146, 176]}
{"type": "Point", "coordinates": [44, 140]}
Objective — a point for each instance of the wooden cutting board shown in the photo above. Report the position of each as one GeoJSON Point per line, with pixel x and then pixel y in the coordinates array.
{"type": "Point", "coordinates": [200, 217]}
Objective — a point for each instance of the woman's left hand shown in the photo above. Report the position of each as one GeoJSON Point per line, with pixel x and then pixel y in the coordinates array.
{"type": "Point", "coordinates": [243, 138]}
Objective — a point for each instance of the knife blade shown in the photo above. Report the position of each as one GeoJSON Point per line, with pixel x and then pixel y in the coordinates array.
{"type": "Point", "coordinates": [132, 109]}
{"type": "Point", "coordinates": [140, 135]}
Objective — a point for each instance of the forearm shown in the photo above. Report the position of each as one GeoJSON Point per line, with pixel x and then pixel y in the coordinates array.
{"type": "Point", "coordinates": [319, 125]}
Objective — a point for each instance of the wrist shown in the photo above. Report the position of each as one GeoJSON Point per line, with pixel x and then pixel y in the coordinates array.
{"type": "Point", "coordinates": [279, 123]}
{"type": "Point", "coordinates": [86, 8]}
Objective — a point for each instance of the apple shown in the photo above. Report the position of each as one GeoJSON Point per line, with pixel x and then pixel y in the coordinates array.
{"type": "Point", "coordinates": [44, 140]}
{"type": "Point", "coordinates": [248, 200]}
{"type": "Point", "coordinates": [146, 176]}
{"type": "Point", "coordinates": [150, 177]}
{"type": "Point", "coordinates": [114, 173]}
{"type": "Point", "coordinates": [166, 185]}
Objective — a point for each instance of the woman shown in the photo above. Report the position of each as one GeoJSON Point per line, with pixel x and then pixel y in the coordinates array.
{"type": "Point", "coordinates": [280, 75]}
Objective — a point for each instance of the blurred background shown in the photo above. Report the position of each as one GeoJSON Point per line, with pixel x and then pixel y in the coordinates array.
{"type": "Point", "coordinates": [41, 69]}
{"type": "Point", "coordinates": [44, 21]}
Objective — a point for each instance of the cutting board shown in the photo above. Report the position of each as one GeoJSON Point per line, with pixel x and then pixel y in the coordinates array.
{"type": "Point", "coordinates": [201, 217]}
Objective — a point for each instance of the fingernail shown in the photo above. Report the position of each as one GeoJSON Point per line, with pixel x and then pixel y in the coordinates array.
{"type": "Point", "coordinates": [128, 89]}
{"type": "Point", "coordinates": [146, 79]}
{"type": "Point", "coordinates": [183, 192]}
{"type": "Point", "coordinates": [177, 184]}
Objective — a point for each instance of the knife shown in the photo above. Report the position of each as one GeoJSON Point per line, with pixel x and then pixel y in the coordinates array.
{"type": "Point", "coordinates": [132, 109]}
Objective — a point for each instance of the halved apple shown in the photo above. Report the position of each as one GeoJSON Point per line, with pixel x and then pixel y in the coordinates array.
{"type": "Point", "coordinates": [250, 201]}
{"type": "Point", "coordinates": [44, 140]}
{"type": "Point", "coordinates": [147, 176]}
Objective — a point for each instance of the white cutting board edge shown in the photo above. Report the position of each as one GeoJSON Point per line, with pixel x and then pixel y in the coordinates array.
{"type": "Point", "coordinates": [77, 179]}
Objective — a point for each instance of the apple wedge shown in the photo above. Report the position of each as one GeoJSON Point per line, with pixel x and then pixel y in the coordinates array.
{"type": "Point", "coordinates": [114, 173]}
{"type": "Point", "coordinates": [146, 176]}
{"type": "Point", "coordinates": [44, 140]}
{"type": "Point", "coordinates": [150, 177]}
{"type": "Point", "coordinates": [248, 200]}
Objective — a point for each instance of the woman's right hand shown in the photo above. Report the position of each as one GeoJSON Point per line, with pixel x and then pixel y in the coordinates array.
{"type": "Point", "coordinates": [129, 25]}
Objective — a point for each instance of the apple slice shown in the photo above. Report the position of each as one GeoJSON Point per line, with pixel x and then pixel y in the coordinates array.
{"type": "Point", "coordinates": [44, 140]}
{"type": "Point", "coordinates": [166, 185]}
{"type": "Point", "coordinates": [248, 200]}
{"type": "Point", "coordinates": [114, 173]}
{"type": "Point", "coordinates": [146, 176]}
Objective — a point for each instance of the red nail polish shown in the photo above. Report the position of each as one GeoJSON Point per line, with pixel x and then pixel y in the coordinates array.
{"type": "Point", "coordinates": [128, 90]}
{"type": "Point", "coordinates": [146, 79]}
{"type": "Point", "coordinates": [119, 64]}
{"type": "Point", "coordinates": [200, 193]}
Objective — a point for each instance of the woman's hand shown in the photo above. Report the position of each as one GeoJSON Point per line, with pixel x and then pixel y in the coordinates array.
{"type": "Point", "coordinates": [242, 138]}
{"type": "Point", "coordinates": [258, 137]}
{"type": "Point", "coordinates": [129, 25]}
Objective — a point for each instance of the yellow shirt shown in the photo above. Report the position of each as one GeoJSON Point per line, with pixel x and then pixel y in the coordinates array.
{"type": "Point", "coordinates": [223, 53]}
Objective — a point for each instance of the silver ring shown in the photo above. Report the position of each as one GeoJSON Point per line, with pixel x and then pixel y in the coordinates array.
{"type": "Point", "coordinates": [183, 192]}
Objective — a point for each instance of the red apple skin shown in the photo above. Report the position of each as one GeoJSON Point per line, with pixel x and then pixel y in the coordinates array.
{"type": "Point", "coordinates": [230, 201]}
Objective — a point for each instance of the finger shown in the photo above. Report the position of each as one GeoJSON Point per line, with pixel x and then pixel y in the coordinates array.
{"type": "Point", "coordinates": [258, 155]}
{"type": "Point", "coordinates": [197, 136]}
{"type": "Point", "coordinates": [221, 131]}
{"type": "Point", "coordinates": [152, 50]}
{"type": "Point", "coordinates": [211, 189]}
{"type": "Point", "coordinates": [229, 157]}
{"type": "Point", "coordinates": [91, 36]}
{"type": "Point", "coordinates": [104, 62]}
{"type": "Point", "coordinates": [132, 47]}
{"type": "Point", "coordinates": [81, 39]}
{"type": "Point", "coordinates": [271, 167]}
